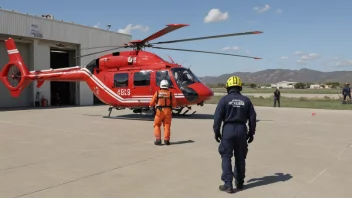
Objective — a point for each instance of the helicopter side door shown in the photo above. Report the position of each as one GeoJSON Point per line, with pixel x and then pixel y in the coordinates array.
{"type": "Point", "coordinates": [141, 85]}
{"type": "Point", "coordinates": [121, 84]}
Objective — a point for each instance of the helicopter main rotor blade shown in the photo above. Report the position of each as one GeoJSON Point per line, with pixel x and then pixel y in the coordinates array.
{"type": "Point", "coordinates": [209, 37]}
{"type": "Point", "coordinates": [100, 52]}
{"type": "Point", "coordinates": [168, 29]}
{"type": "Point", "coordinates": [205, 52]}
{"type": "Point", "coordinates": [87, 48]}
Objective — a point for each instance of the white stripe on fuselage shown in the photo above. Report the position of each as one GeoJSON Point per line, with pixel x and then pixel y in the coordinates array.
{"type": "Point", "coordinates": [134, 99]}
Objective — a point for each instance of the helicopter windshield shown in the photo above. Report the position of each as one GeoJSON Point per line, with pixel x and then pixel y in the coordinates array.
{"type": "Point", "coordinates": [184, 77]}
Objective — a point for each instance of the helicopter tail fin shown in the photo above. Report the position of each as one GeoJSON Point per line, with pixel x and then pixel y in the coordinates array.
{"type": "Point", "coordinates": [15, 73]}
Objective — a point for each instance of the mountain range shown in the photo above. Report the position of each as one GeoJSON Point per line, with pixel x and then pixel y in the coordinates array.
{"type": "Point", "coordinates": [269, 76]}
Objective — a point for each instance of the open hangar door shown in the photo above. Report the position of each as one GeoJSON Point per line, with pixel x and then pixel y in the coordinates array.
{"type": "Point", "coordinates": [26, 97]}
{"type": "Point", "coordinates": [63, 93]}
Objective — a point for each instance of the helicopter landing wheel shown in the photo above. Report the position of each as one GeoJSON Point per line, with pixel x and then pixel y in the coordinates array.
{"type": "Point", "coordinates": [112, 107]}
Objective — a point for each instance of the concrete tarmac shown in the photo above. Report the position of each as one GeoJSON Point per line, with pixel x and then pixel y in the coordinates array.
{"type": "Point", "coordinates": [75, 152]}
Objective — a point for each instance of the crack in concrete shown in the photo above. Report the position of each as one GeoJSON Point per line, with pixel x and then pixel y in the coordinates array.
{"type": "Point", "coordinates": [105, 171]}
{"type": "Point", "coordinates": [343, 151]}
{"type": "Point", "coordinates": [323, 171]}
{"type": "Point", "coordinates": [311, 181]}
{"type": "Point", "coordinates": [80, 152]}
{"type": "Point", "coordinates": [81, 178]}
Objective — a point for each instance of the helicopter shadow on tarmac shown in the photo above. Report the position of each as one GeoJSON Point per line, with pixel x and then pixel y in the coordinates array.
{"type": "Point", "coordinates": [150, 117]}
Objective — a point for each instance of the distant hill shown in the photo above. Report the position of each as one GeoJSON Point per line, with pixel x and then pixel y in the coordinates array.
{"type": "Point", "coordinates": [276, 75]}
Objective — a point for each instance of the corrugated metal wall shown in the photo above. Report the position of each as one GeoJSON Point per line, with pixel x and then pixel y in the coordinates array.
{"type": "Point", "coordinates": [53, 31]}
{"type": "Point", "coordinates": [13, 23]}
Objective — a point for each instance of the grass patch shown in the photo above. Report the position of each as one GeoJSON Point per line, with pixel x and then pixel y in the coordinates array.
{"type": "Point", "coordinates": [312, 103]}
{"type": "Point", "coordinates": [297, 91]}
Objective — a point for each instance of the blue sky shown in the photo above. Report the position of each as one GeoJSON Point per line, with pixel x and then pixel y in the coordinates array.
{"type": "Point", "coordinates": [313, 34]}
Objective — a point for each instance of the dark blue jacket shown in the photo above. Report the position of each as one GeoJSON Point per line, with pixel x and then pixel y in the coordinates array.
{"type": "Point", "coordinates": [346, 91]}
{"type": "Point", "coordinates": [277, 94]}
{"type": "Point", "coordinates": [235, 108]}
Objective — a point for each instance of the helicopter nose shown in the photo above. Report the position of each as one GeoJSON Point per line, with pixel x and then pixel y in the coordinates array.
{"type": "Point", "coordinates": [205, 92]}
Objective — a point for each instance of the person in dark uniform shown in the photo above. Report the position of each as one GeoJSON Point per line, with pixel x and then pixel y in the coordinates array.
{"type": "Point", "coordinates": [234, 110]}
{"type": "Point", "coordinates": [346, 91]}
{"type": "Point", "coordinates": [277, 97]}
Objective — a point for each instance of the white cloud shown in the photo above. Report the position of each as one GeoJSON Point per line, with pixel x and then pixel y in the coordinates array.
{"type": "Point", "coordinates": [251, 22]}
{"type": "Point", "coordinates": [310, 56]}
{"type": "Point", "coordinates": [301, 62]}
{"type": "Point", "coordinates": [247, 51]}
{"type": "Point", "coordinates": [263, 9]}
{"type": "Point", "coordinates": [97, 25]}
{"type": "Point", "coordinates": [304, 57]}
{"type": "Point", "coordinates": [284, 57]}
{"type": "Point", "coordinates": [215, 15]}
{"type": "Point", "coordinates": [230, 48]}
{"type": "Point", "coordinates": [298, 53]}
{"type": "Point", "coordinates": [344, 63]}
{"type": "Point", "coordinates": [130, 27]}
{"type": "Point", "coordinates": [278, 11]}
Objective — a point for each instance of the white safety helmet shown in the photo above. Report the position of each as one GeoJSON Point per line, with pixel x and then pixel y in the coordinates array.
{"type": "Point", "coordinates": [164, 84]}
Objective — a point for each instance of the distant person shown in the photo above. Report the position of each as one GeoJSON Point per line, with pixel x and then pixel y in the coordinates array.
{"type": "Point", "coordinates": [277, 97]}
{"type": "Point", "coordinates": [346, 91]}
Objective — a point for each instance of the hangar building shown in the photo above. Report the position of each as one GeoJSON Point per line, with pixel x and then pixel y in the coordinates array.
{"type": "Point", "coordinates": [46, 43]}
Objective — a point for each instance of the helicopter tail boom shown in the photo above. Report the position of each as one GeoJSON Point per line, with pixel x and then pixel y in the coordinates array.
{"type": "Point", "coordinates": [16, 76]}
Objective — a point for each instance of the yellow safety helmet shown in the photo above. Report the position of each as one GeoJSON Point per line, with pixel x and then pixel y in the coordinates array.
{"type": "Point", "coordinates": [234, 81]}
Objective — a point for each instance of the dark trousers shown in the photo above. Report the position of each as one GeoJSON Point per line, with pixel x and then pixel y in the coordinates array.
{"type": "Point", "coordinates": [233, 143]}
{"type": "Point", "coordinates": [345, 96]}
{"type": "Point", "coordinates": [278, 101]}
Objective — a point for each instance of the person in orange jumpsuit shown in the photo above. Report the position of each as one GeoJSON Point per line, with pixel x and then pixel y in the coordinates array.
{"type": "Point", "coordinates": [163, 100]}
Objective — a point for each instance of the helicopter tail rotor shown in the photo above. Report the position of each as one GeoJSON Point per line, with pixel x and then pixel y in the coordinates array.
{"type": "Point", "coordinates": [15, 72]}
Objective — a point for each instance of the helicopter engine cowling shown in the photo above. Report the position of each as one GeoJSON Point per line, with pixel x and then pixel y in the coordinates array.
{"type": "Point", "coordinates": [113, 61]}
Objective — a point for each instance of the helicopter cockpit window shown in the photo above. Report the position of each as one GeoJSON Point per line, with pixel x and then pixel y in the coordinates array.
{"type": "Point", "coordinates": [142, 78]}
{"type": "Point", "coordinates": [163, 75]}
{"type": "Point", "coordinates": [184, 77]}
{"type": "Point", "coordinates": [121, 80]}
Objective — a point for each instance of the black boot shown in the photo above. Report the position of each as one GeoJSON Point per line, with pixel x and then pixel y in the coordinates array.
{"type": "Point", "coordinates": [226, 189]}
{"type": "Point", "coordinates": [157, 142]}
{"type": "Point", "coordinates": [167, 142]}
{"type": "Point", "coordinates": [238, 185]}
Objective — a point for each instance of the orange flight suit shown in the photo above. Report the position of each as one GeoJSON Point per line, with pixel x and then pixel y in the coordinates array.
{"type": "Point", "coordinates": [164, 100]}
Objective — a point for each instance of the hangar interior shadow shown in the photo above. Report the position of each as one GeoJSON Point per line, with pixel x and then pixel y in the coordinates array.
{"type": "Point", "coordinates": [62, 93]}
